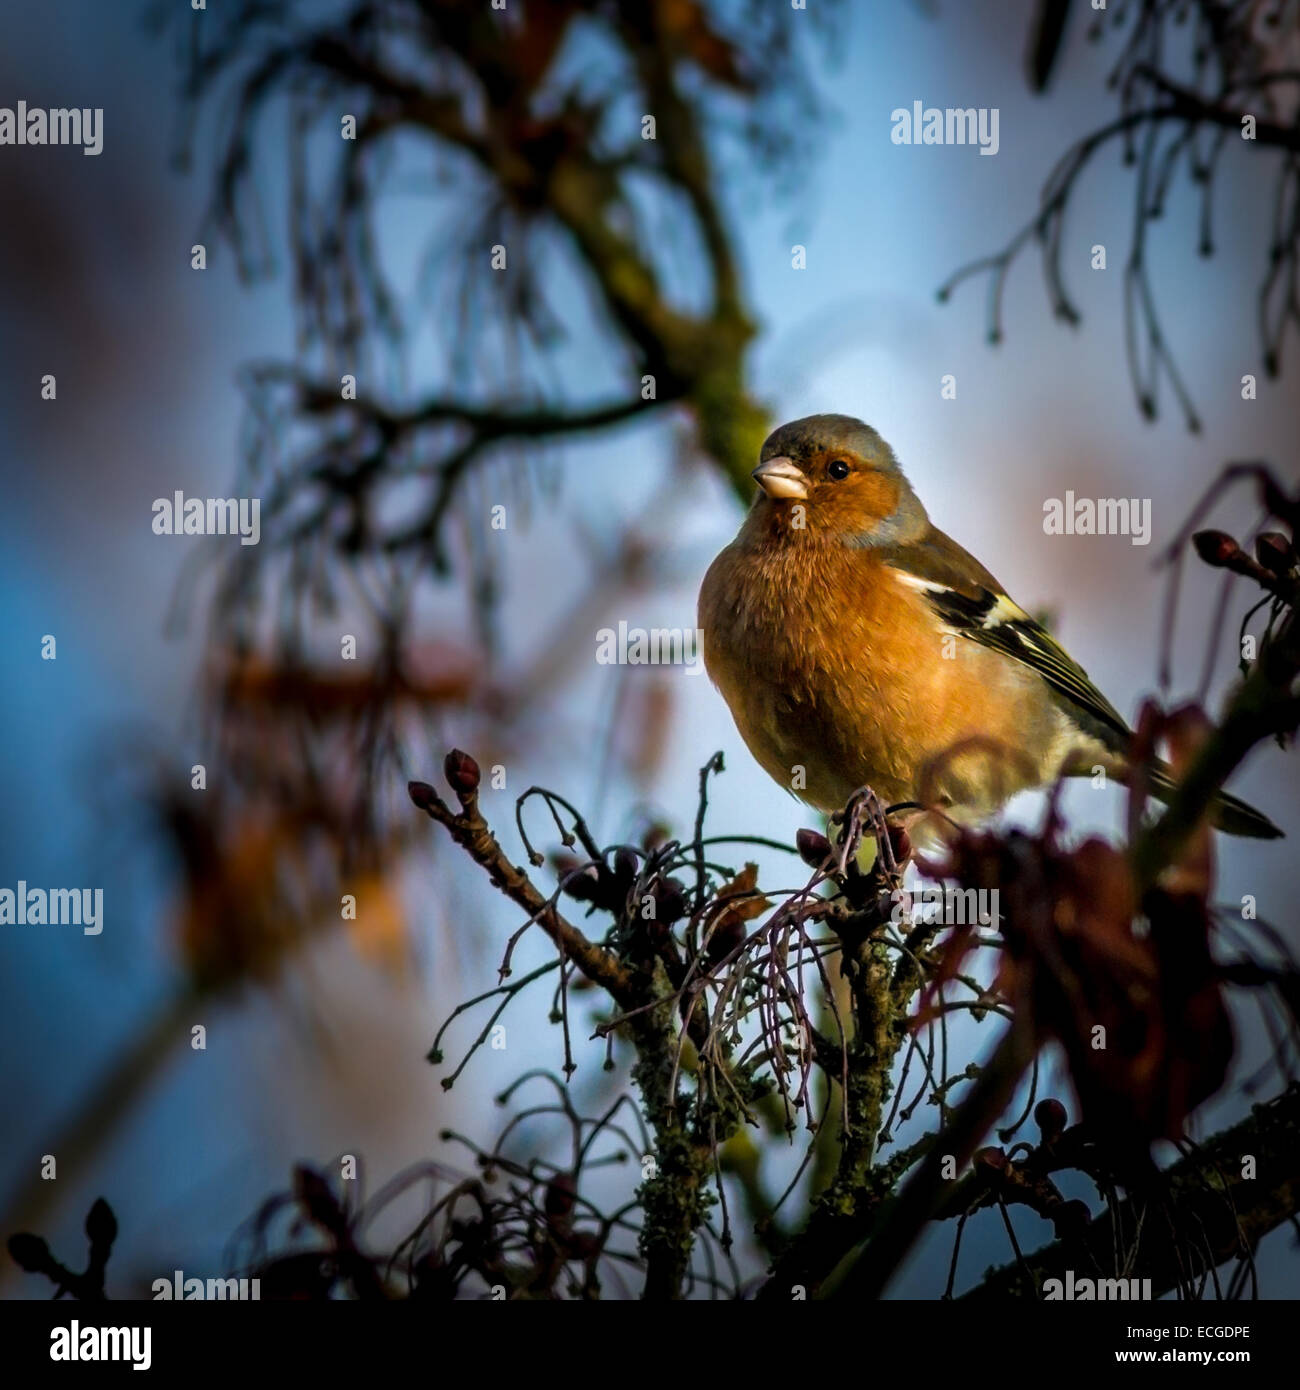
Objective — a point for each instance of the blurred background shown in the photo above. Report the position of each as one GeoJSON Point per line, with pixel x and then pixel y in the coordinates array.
{"type": "Point", "coordinates": [221, 905]}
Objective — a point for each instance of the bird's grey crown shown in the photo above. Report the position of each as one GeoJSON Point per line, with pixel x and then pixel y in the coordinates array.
{"type": "Point", "coordinates": [799, 438]}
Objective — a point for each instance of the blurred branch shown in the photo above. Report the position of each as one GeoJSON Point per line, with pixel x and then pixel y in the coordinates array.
{"type": "Point", "coordinates": [545, 154]}
{"type": "Point", "coordinates": [83, 1137]}
{"type": "Point", "coordinates": [567, 207]}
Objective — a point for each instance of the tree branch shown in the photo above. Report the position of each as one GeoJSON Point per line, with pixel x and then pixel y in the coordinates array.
{"type": "Point", "coordinates": [1207, 1187]}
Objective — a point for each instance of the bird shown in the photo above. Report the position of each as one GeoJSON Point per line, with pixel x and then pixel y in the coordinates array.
{"type": "Point", "coordinates": [857, 645]}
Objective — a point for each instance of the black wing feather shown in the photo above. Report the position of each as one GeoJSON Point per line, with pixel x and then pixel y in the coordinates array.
{"type": "Point", "coordinates": [969, 601]}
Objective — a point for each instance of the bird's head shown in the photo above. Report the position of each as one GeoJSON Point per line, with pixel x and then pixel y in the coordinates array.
{"type": "Point", "coordinates": [831, 476]}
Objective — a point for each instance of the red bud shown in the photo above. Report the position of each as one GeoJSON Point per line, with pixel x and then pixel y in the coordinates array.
{"type": "Point", "coordinates": [1050, 1116]}
{"type": "Point", "coordinates": [670, 901]}
{"type": "Point", "coordinates": [462, 772]}
{"type": "Point", "coordinates": [1215, 547]}
{"type": "Point", "coordinates": [560, 1195]}
{"type": "Point", "coordinates": [584, 885]}
{"type": "Point", "coordinates": [1275, 552]}
{"type": "Point", "coordinates": [814, 848]}
{"type": "Point", "coordinates": [990, 1162]}
{"type": "Point", "coordinates": [422, 794]}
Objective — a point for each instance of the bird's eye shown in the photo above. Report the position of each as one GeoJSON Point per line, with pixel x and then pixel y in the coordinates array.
{"type": "Point", "coordinates": [838, 469]}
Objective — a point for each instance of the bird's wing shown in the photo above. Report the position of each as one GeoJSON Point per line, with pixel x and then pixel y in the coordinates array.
{"type": "Point", "coordinates": [972, 603]}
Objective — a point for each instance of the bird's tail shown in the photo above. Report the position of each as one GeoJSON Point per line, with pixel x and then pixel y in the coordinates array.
{"type": "Point", "coordinates": [1227, 813]}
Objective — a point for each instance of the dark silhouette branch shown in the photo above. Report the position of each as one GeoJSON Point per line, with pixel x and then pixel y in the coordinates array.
{"type": "Point", "coordinates": [1236, 76]}
{"type": "Point", "coordinates": [1207, 1189]}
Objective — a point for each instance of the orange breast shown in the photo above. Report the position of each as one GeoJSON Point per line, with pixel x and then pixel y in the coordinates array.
{"type": "Point", "coordinates": [839, 676]}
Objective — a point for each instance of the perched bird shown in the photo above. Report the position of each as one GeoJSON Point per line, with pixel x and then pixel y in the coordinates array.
{"type": "Point", "coordinates": [857, 645]}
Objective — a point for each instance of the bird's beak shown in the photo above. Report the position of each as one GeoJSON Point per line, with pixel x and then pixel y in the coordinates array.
{"type": "Point", "coordinates": [781, 477]}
